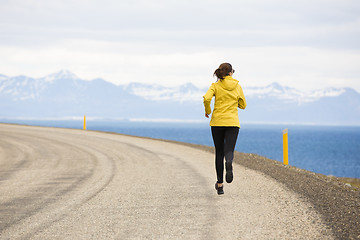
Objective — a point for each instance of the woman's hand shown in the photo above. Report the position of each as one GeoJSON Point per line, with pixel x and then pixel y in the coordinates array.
{"type": "Point", "coordinates": [206, 115]}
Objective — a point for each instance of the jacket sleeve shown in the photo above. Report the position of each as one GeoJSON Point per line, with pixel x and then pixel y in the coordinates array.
{"type": "Point", "coordinates": [207, 98]}
{"type": "Point", "coordinates": [241, 100]}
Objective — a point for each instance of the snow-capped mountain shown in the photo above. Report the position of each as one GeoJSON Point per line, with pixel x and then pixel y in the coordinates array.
{"type": "Point", "coordinates": [63, 74]}
{"type": "Point", "coordinates": [23, 88]}
{"type": "Point", "coordinates": [63, 94]}
{"type": "Point", "coordinates": [186, 92]}
{"type": "Point", "coordinates": [291, 94]}
{"type": "Point", "coordinates": [189, 92]}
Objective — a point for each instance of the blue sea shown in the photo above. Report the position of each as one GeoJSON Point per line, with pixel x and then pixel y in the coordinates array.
{"type": "Point", "coordinates": [329, 150]}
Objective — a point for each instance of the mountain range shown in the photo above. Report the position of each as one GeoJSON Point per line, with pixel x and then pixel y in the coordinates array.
{"type": "Point", "coordinates": [63, 95]}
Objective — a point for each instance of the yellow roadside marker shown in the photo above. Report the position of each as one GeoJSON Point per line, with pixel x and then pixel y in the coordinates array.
{"type": "Point", "coordinates": [285, 147]}
{"type": "Point", "coordinates": [84, 122]}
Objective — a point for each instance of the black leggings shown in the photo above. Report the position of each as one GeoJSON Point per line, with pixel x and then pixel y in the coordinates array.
{"type": "Point", "coordinates": [224, 141]}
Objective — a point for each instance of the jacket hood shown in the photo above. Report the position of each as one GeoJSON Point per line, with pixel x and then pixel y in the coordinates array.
{"type": "Point", "coordinates": [228, 83]}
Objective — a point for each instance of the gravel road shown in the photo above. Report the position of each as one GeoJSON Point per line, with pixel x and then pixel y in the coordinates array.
{"type": "Point", "coordinates": [75, 184]}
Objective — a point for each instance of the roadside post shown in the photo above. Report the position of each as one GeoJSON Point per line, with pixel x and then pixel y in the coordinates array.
{"type": "Point", "coordinates": [84, 122]}
{"type": "Point", "coordinates": [285, 147]}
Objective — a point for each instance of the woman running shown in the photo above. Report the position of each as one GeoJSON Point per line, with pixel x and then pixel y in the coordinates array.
{"type": "Point", "coordinates": [224, 120]}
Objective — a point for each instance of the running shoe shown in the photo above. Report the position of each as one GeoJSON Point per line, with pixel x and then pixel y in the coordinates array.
{"type": "Point", "coordinates": [220, 190]}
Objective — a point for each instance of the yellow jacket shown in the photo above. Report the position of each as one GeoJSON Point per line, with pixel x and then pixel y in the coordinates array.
{"type": "Point", "coordinates": [228, 97]}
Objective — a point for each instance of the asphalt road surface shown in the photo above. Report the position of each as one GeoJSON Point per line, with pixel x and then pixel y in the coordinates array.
{"type": "Point", "coordinates": [75, 184]}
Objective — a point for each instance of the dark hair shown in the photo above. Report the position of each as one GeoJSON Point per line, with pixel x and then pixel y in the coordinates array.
{"type": "Point", "coordinates": [223, 70]}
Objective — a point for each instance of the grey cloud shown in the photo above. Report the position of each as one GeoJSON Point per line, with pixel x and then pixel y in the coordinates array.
{"type": "Point", "coordinates": [184, 24]}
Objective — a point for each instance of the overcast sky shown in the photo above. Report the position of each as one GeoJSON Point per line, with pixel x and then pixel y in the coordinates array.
{"type": "Point", "coordinates": [306, 44]}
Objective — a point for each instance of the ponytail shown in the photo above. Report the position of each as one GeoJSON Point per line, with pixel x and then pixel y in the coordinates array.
{"type": "Point", "coordinates": [223, 71]}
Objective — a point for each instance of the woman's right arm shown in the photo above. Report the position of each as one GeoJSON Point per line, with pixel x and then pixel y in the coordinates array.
{"type": "Point", "coordinates": [207, 99]}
